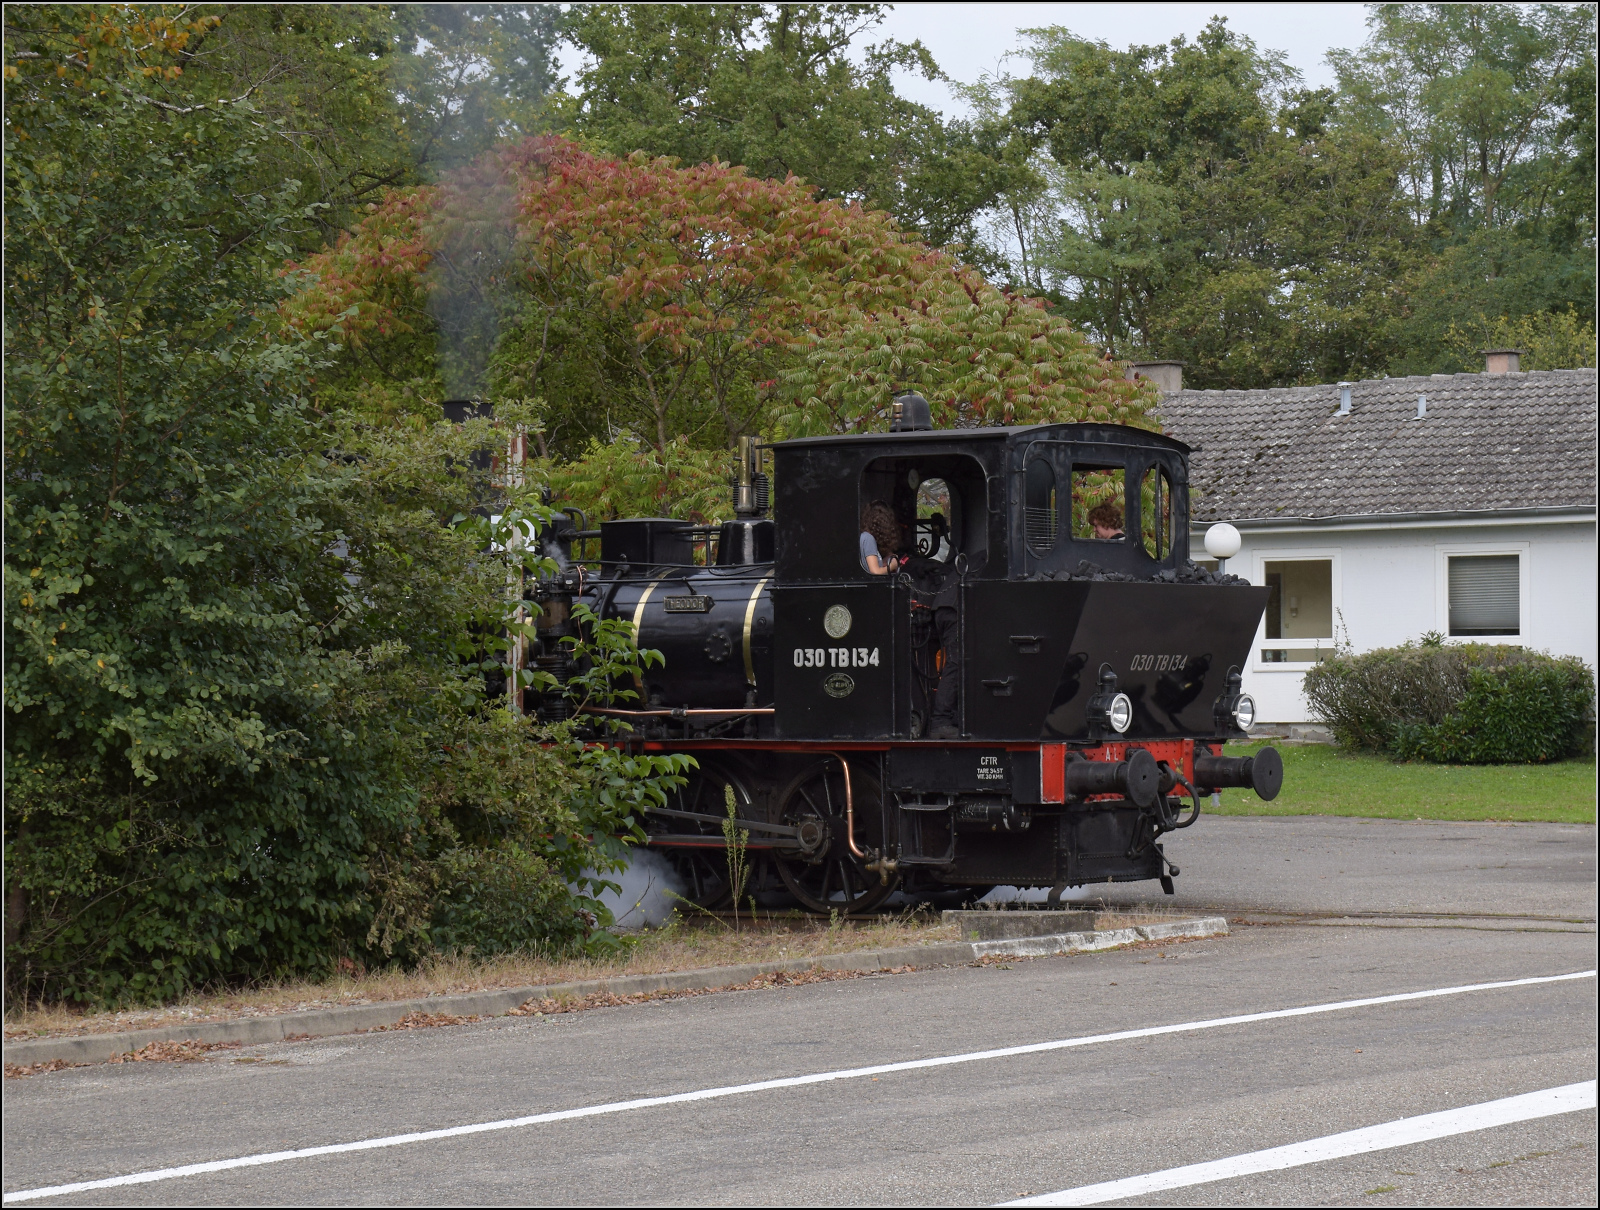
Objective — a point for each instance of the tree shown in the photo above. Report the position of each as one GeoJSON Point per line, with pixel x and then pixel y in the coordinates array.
{"type": "Point", "coordinates": [318, 80]}
{"type": "Point", "coordinates": [544, 267]}
{"type": "Point", "coordinates": [1491, 109]}
{"type": "Point", "coordinates": [475, 74]}
{"type": "Point", "coordinates": [1185, 201]}
{"type": "Point", "coordinates": [243, 643]}
{"type": "Point", "coordinates": [782, 89]}
{"type": "Point", "coordinates": [697, 303]}
{"type": "Point", "coordinates": [700, 275]}
{"type": "Point", "coordinates": [165, 573]}
{"type": "Point", "coordinates": [1474, 94]}
{"type": "Point", "coordinates": [355, 99]}
{"type": "Point", "coordinates": [981, 355]}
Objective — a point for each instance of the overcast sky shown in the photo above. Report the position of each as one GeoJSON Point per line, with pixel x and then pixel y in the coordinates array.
{"type": "Point", "coordinates": [967, 40]}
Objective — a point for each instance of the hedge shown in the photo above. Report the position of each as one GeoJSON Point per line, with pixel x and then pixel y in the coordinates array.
{"type": "Point", "coordinates": [1469, 703]}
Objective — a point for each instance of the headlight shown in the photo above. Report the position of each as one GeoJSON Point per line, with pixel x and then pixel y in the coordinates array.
{"type": "Point", "coordinates": [1244, 711]}
{"type": "Point", "coordinates": [1120, 715]}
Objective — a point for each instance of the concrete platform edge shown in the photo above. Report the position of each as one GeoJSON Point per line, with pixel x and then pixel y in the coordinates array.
{"type": "Point", "coordinates": [327, 1022]}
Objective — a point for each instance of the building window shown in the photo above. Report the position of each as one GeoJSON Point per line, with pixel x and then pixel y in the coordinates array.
{"type": "Point", "coordinates": [1485, 595]}
{"type": "Point", "coordinates": [1299, 611]}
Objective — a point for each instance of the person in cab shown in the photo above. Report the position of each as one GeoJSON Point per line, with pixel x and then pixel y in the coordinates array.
{"type": "Point", "coordinates": [1106, 521]}
{"type": "Point", "coordinates": [880, 539]}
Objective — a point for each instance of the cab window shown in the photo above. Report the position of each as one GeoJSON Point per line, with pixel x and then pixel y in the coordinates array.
{"type": "Point", "coordinates": [1155, 513]}
{"type": "Point", "coordinates": [932, 537]}
{"type": "Point", "coordinates": [938, 502]}
{"type": "Point", "coordinates": [1040, 509]}
{"type": "Point", "coordinates": [1098, 500]}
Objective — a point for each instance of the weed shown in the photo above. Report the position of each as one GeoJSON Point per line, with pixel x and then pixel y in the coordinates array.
{"type": "Point", "coordinates": [736, 839]}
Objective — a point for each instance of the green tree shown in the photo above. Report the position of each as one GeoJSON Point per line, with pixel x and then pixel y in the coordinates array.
{"type": "Point", "coordinates": [1187, 201]}
{"type": "Point", "coordinates": [317, 79]}
{"type": "Point", "coordinates": [475, 74]}
{"type": "Point", "coordinates": [244, 640]}
{"type": "Point", "coordinates": [1491, 107]}
{"type": "Point", "coordinates": [355, 99]}
{"type": "Point", "coordinates": [166, 575]}
{"type": "Point", "coordinates": [1476, 95]}
{"type": "Point", "coordinates": [1549, 340]}
{"type": "Point", "coordinates": [782, 89]}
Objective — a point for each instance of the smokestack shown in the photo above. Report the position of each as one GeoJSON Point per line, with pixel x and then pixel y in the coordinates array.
{"type": "Point", "coordinates": [1503, 361]}
{"type": "Point", "coordinates": [1344, 399]}
{"type": "Point", "coordinates": [1166, 375]}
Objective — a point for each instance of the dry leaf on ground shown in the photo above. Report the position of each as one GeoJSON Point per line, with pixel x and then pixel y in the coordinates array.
{"type": "Point", "coordinates": [173, 1052]}
{"type": "Point", "coordinates": [420, 1020]}
{"type": "Point", "coordinates": [574, 1004]}
{"type": "Point", "coordinates": [18, 1071]}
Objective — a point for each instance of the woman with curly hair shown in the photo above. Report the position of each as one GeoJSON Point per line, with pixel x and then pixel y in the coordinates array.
{"type": "Point", "coordinates": [1106, 520]}
{"type": "Point", "coordinates": [880, 538]}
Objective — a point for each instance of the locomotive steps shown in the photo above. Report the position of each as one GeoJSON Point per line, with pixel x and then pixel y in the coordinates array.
{"type": "Point", "coordinates": [1066, 934]}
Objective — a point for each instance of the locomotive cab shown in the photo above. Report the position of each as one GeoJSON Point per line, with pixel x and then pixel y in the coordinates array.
{"type": "Point", "coordinates": [996, 526]}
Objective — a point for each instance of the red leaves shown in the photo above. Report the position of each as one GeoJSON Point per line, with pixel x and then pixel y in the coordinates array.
{"type": "Point", "coordinates": [708, 267]}
{"type": "Point", "coordinates": [373, 274]}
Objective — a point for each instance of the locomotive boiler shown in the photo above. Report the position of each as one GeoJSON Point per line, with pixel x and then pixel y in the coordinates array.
{"type": "Point", "coordinates": [1088, 671]}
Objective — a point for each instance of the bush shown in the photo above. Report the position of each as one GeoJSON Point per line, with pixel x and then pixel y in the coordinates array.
{"type": "Point", "coordinates": [1472, 703]}
{"type": "Point", "coordinates": [248, 731]}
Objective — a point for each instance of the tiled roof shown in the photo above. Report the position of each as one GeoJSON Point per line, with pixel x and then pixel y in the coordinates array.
{"type": "Point", "coordinates": [1489, 441]}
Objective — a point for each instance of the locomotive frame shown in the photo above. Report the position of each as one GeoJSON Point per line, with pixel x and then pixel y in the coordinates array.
{"type": "Point", "coordinates": [1097, 676]}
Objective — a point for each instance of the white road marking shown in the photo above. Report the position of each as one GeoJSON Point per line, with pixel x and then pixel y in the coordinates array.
{"type": "Point", "coordinates": [710, 1094]}
{"type": "Point", "coordinates": [1570, 1098]}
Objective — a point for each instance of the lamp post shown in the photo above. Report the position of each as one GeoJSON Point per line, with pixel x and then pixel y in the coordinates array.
{"type": "Point", "coordinates": [1222, 543]}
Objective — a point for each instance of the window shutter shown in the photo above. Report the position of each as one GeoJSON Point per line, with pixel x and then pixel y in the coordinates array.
{"type": "Point", "coordinates": [1484, 594]}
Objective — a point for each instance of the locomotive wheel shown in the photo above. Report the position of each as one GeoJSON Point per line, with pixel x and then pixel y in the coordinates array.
{"type": "Point", "coordinates": [702, 869]}
{"type": "Point", "coordinates": [831, 878]}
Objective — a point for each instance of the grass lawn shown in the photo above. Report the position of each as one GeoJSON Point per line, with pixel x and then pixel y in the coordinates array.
{"type": "Point", "coordinates": [1319, 779]}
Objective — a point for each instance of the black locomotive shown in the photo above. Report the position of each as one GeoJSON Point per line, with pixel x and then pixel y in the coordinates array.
{"type": "Point", "coordinates": [1088, 678]}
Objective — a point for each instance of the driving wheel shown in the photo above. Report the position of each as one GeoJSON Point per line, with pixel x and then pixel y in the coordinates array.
{"type": "Point", "coordinates": [697, 849]}
{"type": "Point", "coordinates": [825, 875]}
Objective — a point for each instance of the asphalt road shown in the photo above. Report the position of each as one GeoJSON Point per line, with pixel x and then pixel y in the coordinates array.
{"type": "Point", "coordinates": [1323, 864]}
{"type": "Point", "coordinates": [978, 1132]}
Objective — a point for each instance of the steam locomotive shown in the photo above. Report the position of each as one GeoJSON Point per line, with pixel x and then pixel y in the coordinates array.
{"type": "Point", "coordinates": [1090, 679]}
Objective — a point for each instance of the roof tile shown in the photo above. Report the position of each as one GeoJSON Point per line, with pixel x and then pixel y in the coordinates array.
{"type": "Point", "coordinates": [1489, 441]}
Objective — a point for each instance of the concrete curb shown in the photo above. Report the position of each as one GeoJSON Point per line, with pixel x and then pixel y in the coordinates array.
{"type": "Point", "coordinates": [254, 1031]}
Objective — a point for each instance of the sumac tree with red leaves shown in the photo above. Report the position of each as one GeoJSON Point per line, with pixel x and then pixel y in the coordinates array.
{"type": "Point", "coordinates": [688, 304]}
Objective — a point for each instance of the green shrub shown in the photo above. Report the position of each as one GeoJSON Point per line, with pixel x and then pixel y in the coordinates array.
{"type": "Point", "coordinates": [1472, 703]}
{"type": "Point", "coordinates": [1512, 714]}
{"type": "Point", "coordinates": [246, 731]}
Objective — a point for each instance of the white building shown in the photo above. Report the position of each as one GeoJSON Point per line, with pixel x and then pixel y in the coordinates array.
{"type": "Point", "coordinates": [1378, 511]}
